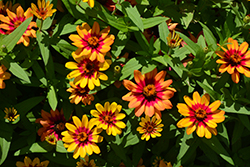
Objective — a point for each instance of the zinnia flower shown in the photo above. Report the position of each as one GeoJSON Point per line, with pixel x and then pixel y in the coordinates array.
{"type": "Point", "coordinates": [86, 162]}
{"type": "Point", "coordinates": [35, 163]}
{"type": "Point", "coordinates": [12, 21]}
{"type": "Point", "coordinates": [79, 94]}
{"type": "Point", "coordinates": [92, 42]}
{"type": "Point", "coordinates": [44, 9]}
{"type": "Point", "coordinates": [200, 116]}
{"type": "Point", "coordinates": [235, 60]}
{"type": "Point", "coordinates": [3, 76]}
{"type": "Point", "coordinates": [151, 94]}
{"type": "Point", "coordinates": [51, 139]}
{"type": "Point", "coordinates": [87, 72]}
{"type": "Point", "coordinates": [150, 127]}
{"type": "Point", "coordinates": [81, 137]}
{"type": "Point", "coordinates": [90, 2]}
{"type": "Point", "coordinates": [53, 123]}
{"type": "Point", "coordinates": [138, 165]}
{"type": "Point", "coordinates": [173, 39]}
{"type": "Point", "coordinates": [11, 114]}
{"type": "Point", "coordinates": [108, 118]}
{"type": "Point", "coordinates": [159, 162]}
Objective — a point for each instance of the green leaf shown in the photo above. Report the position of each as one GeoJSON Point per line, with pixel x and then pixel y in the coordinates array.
{"type": "Point", "coordinates": [209, 153]}
{"type": "Point", "coordinates": [244, 120]}
{"type": "Point", "coordinates": [11, 39]}
{"type": "Point", "coordinates": [39, 147]}
{"type": "Point", "coordinates": [43, 42]}
{"type": "Point", "coordinates": [148, 68]}
{"type": "Point", "coordinates": [39, 73]}
{"type": "Point", "coordinates": [175, 64]}
{"type": "Point", "coordinates": [214, 95]}
{"type": "Point", "coordinates": [210, 39]}
{"type": "Point", "coordinates": [18, 71]}
{"type": "Point", "coordinates": [133, 14]}
{"type": "Point", "coordinates": [52, 98]}
{"type": "Point", "coordinates": [60, 148]}
{"type": "Point", "coordinates": [129, 67]}
{"type": "Point", "coordinates": [184, 145]}
{"type": "Point", "coordinates": [142, 41]}
{"type": "Point", "coordinates": [237, 109]}
{"type": "Point", "coordinates": [163, 32]}
{"type": "Point", "coordinates": [131, 139]}
{"type": "Point", "coordinates": [237, 132]}
{"type": "Point", "coordinates": [64, 48]}
{"type": "Point", "coordinates": [120, 42]}
{"type": "Point", "coordinates": [153, 21]}
{"type": "Point", "coordinates": [26, 105]}
{"type": "Point", "coordinates": [4, 146]}
{"type": "Point", "coordinates": [188, 18]}
{"type": "Point", "coordinates": [215, 145]}
{"type": "Point", "coordinates": [60, 158]}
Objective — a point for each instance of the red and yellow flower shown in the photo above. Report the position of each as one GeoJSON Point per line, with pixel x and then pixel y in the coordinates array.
{"type": "Point", "coordinates": [200, 116]}
{"type": "Point", "coordinates": [150, 127]}
{"type": "Point", "coordinates": [53, 123]}
{"type": "Point", "coordinates": [79, 94]}
{"type": "Point", "coordinates": [92, 42]}
{"type": "Point", "coordinates": [11, 114]}
{"type": "Point", "coordinates": [29, 163]}
{"type": "Point", "coordinates": [44, 9]}
{"type": "Point", "coordinates": [235, 60]}
{"type": "Point", "coordinates": [108, 118]}
{"type": "Point", "coordinates": [82, 137]}
{"type": "Point", "coordinates": [151, 94]}
{"type": "Point", "coordinates": [12, 21]}
{"type": "Point", "coordinates": [87, 72]}
{"type": "Point", "coordinates": [86, 162]}
{"type": "Point", "coordinates": [3, 76]}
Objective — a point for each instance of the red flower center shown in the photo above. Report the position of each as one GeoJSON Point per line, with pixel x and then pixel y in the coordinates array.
{"type": "Point", "coordinates": [172, 41]}
{"type": "Point", "coordinates": [149, 90]}
{"type": "Point", "coordinates": [60, 126]}
{"type": "Point", "coordinates": [93, 42]}
{"type": "Point", "coordinates": [200, 114]}
{"type": "Point", "coordinates": [17, 23]}
{"type": "Point", "coordinates": [150, 128]}
{"type": "Point", "coordinates": [82, 136]}
{"type": "Point", "coordinates": [108, 119]}
{"type": "Point", "coordinates": [235, 58]}
{"type": "Point", "coordinates": [88, 67]}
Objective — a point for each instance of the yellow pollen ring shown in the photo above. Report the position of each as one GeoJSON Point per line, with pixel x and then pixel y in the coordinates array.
{"type": "Point", "coordinates": [82, 136]}
{"type": "Point", "coordinates": [93, 41]}
{"type": "Point", "coordinates": [235, 58]}
{"type": "Point", "coordinates": [200, 114]}
{"type": "Point", "coordinates": [149, 90]}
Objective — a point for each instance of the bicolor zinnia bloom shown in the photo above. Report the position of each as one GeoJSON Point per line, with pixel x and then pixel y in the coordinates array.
{"type": "Point", "coordinates": [150, 127]}
{"type": "Point", "coordinates": [82, 137]}
{"type": "Point", "coordinates": [29, 163]}
{"type": "Point", "coordinates": [109, 118]}
{"type": "Point", "coordinates": [43, 10]}
{"type": "Point", "coordinates": [92, 42]}
{"type": "Point", "coordinates": [79, 94]}
{"type": "Point", "coordinates": [173, 39]}
{"type": "Point", "coordinates": [90, 2]}
{"type": "Point", "coordinates": [3, 76]}
{"type": "Point", "coordinates": [86, 162]}
{"type": "Point", "coordinates": [160, 162]}
{"type": "Point", "coordinates": [235, 60]}
{"type": "Point", "coordinates": [11, 114]}
{"type": "Point", "coordinates": [12, 21]}
{"type": "Point", "coordinates": [151, 94]}
{"type": "Point", "coordinates": [53, 123]}
{"type": "Point", "coordinates": [87, 72]}
{"type": "Point", "coordinates": [200, 116]}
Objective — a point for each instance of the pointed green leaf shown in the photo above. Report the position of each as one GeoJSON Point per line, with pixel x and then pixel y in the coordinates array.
{"type": "Point", "coordinates": [4, 149]}
{"type": "Point", "coordinates": [43, 42]}
{"type": "Point", "coordinates": [52, 98]}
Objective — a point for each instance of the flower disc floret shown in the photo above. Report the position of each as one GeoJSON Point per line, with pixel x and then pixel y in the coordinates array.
{"type": "Point", "coordinates": [82, 137]}
{"type": "Point", "coordinates": [109, 118]}
{"type": "Point", "coordinates": [200, 116]}
{"type": "Point", "coordinates": [151, 94]}
{"type": "Point", "coordinates": [87, 72]}
{"type": "Point", "coordinates": [235, 60]}
{"type": "Point", "coordinates": [92, 42]}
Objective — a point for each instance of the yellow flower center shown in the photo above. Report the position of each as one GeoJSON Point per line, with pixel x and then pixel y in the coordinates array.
{"type": "Point", "coordinates": [93, 41]}
{"type": "Point", "coordinates": [108, 119]}
{"type": "Point", "coordinates": [82, 136]}
{"type": "Point", "coordinates": [17, 23]}
{"type": "Point", "coordinates": [200, 114]}
{"type": "Point", "coordinates": [150, 128]}
{"type": "Point", "coordinates": [235, 58]}
{"type": "Point", "coordinates": [60, 126]}
{"type": "Point", "coordinates": [149, 90]}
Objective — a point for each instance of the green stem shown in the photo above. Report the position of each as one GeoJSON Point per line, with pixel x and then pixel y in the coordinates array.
{"type": "Point", "coordinates": [40, 28]}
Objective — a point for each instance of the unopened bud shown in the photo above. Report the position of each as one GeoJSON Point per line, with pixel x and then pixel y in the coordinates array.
{"type": "Point", "coordinates": [246, 19]}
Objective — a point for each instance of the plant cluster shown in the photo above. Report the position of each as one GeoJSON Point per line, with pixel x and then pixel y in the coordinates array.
{"type": "Point", "coordinates": [128, 83]}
